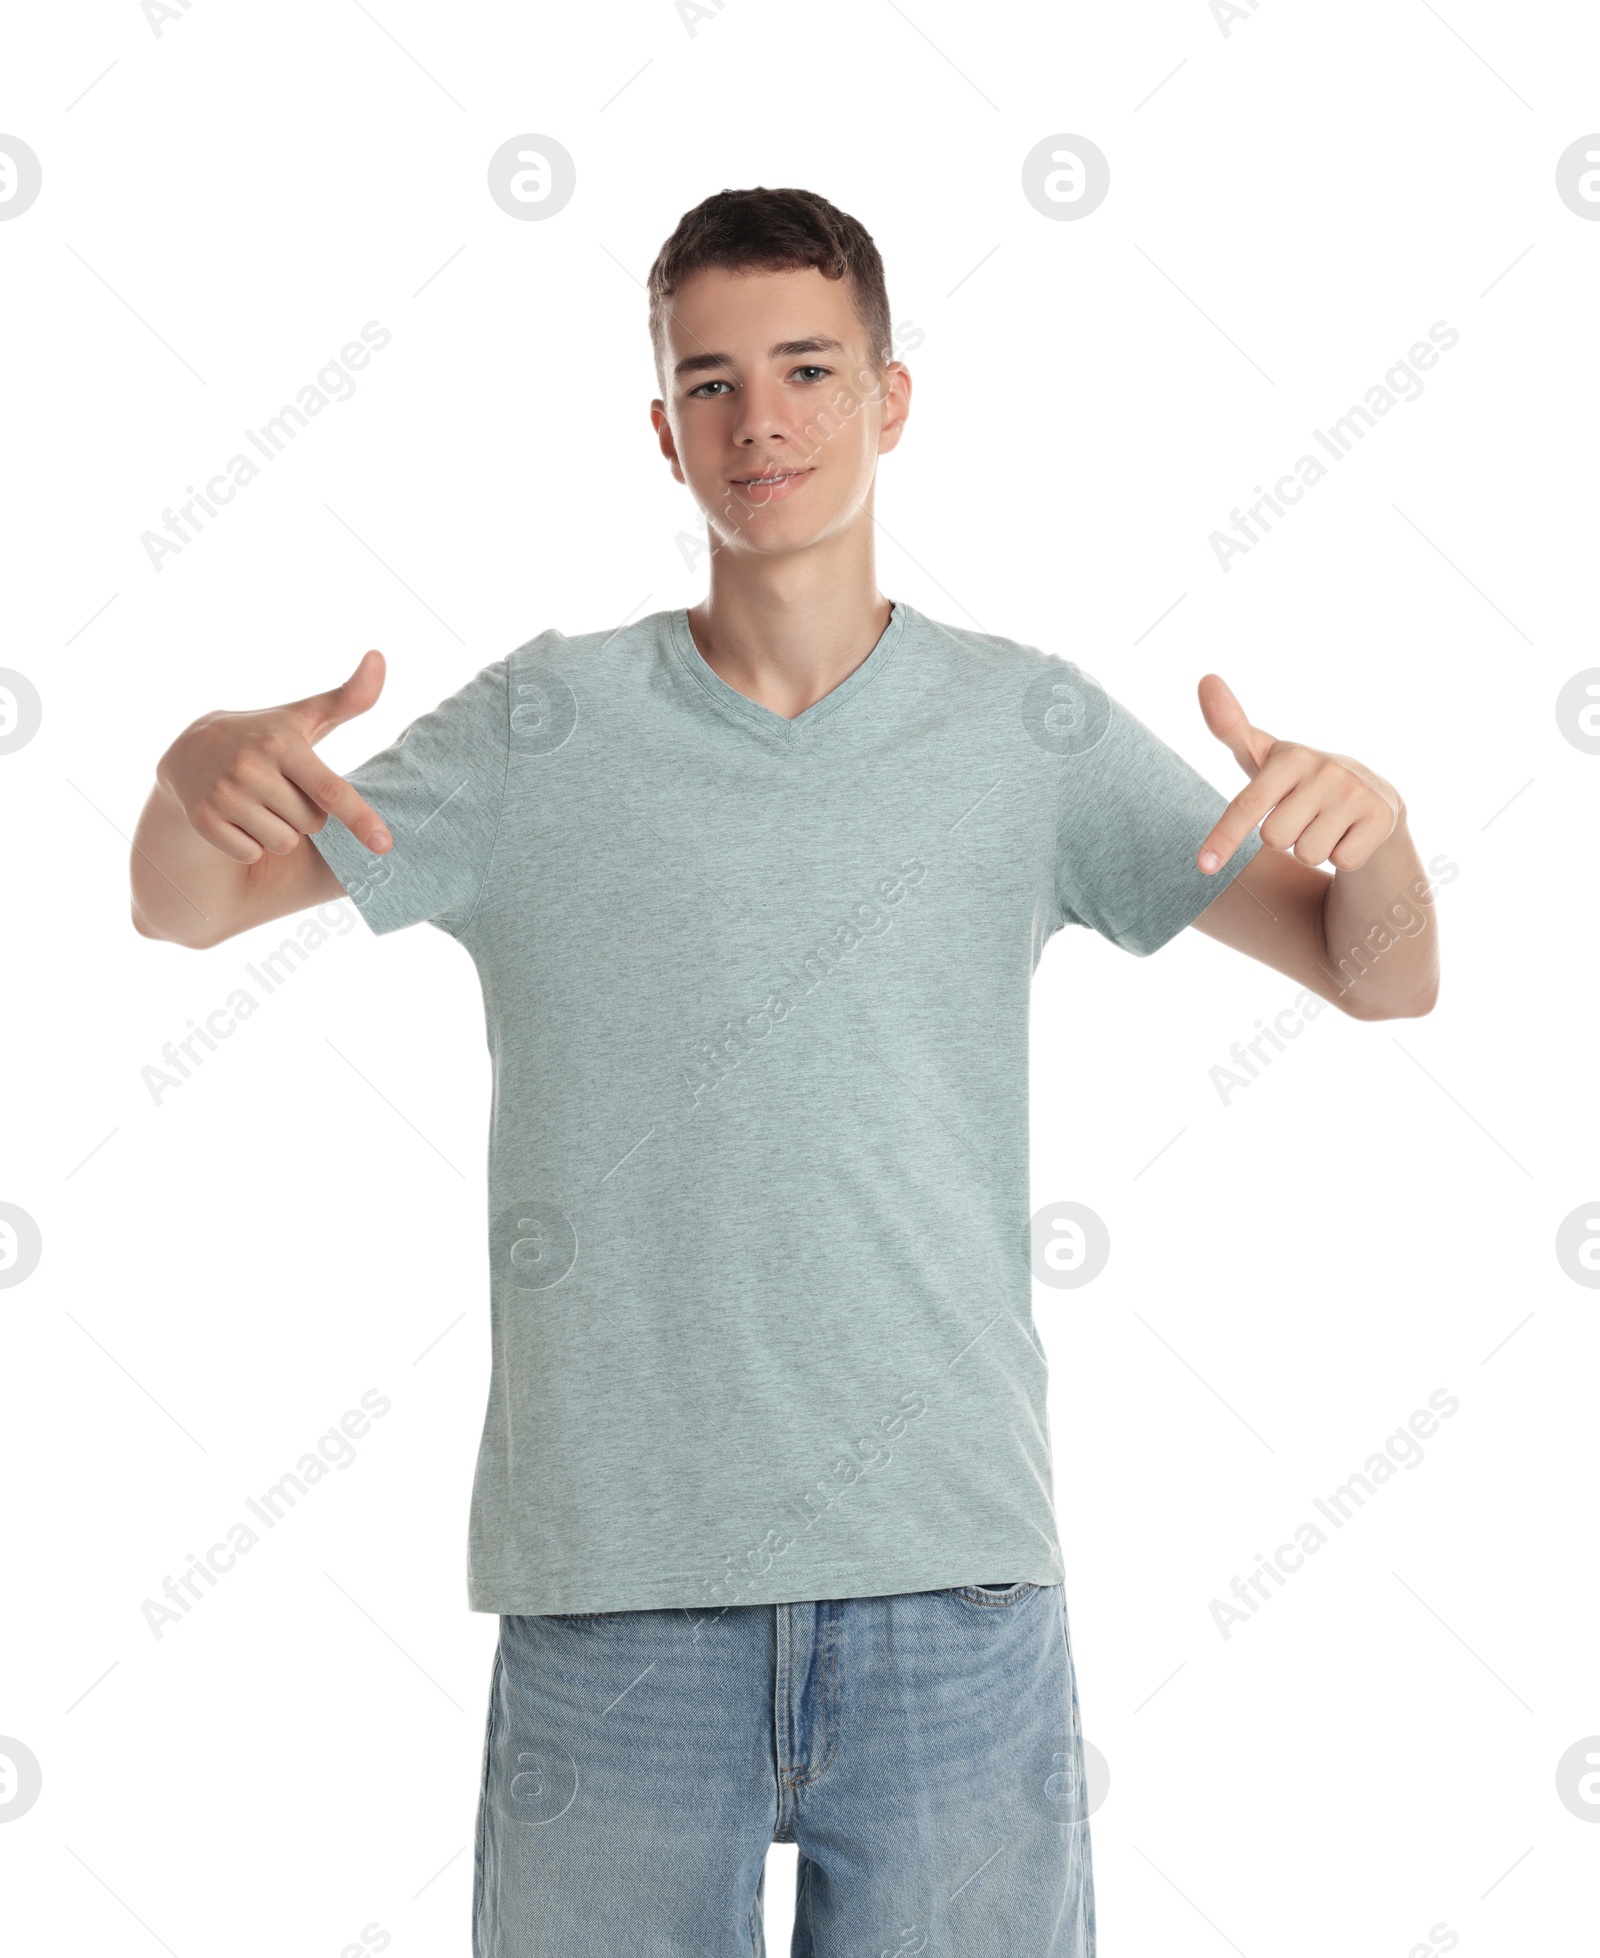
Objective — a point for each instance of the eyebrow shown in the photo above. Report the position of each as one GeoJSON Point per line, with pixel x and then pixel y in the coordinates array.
{"type": "Point", "coordinates": [816, 343]}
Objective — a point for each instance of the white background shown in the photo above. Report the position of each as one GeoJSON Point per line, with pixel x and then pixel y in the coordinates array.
{"type": "Point", "coordinates": [1293, 1271]}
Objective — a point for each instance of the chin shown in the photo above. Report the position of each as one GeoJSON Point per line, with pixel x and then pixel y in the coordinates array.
{"type": "Point", "coordinates": [765, 532]}
{"type": "Point", "coordinates": [782, 541]}
{"type": "Point", "coordinates": [783, 527]}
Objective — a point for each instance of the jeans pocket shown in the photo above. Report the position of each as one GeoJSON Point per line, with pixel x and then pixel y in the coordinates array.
{"type": "Point", "coordinates": [993, 1596]}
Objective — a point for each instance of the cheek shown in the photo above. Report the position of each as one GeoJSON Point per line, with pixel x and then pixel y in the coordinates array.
{"type": "Point", "coordinates": [697, 444]}
{"type": "Point", "coordinates": [852, 456]}
{"type": "Point", "coordinates": [703, 459]}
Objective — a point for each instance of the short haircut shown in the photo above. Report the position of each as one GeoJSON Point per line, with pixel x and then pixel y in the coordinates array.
{"type": "Point", "coordinates": [763, 230]}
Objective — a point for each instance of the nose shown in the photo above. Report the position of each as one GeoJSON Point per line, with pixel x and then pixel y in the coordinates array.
{"type": "Point", "coordinates": [766, 417]}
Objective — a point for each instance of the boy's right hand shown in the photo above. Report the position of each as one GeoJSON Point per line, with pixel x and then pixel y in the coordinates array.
{"type": "Point", "coordinates": [251, 783]}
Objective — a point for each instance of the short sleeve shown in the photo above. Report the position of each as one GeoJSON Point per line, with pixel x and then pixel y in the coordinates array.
{"type": "Point", "coordinates": [1133, 816]}
{"type": "Point", "coordinates": [439, 788]}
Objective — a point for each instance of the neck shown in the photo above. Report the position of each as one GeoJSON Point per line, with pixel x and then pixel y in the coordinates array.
{"type": "Point", "coordinates": [787, 630]}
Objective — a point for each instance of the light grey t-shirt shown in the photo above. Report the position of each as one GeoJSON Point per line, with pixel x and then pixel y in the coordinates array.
{"type": "Point", "coordinates": [756, 994]}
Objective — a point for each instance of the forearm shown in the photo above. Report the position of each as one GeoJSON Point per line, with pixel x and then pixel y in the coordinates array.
{"type": "Point", "coordinates": [182, 888]}
{"type": "Point", "coordinates": [1380, 935]}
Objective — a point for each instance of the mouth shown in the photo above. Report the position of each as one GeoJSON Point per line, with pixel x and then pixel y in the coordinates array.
{"type": "Point", "coordinates": [771, 484]}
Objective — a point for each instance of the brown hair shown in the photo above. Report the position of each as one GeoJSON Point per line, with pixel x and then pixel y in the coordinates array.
{"type": "Point", "coordinates": [773, 231]}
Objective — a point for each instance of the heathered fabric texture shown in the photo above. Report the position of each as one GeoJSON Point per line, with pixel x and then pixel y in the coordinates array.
{"type": "Point", "coordinates": [757, 1000]}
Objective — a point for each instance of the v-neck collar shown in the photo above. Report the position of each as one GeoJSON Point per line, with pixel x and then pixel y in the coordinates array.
{"type": "Point", "coordinates": [780, 726]}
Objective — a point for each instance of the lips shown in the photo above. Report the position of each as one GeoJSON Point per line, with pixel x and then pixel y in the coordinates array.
{"type": "Point", "coordinates": [780, 482]}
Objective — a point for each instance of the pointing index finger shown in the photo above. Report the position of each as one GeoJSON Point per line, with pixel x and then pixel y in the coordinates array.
{"type": "Point", "coordinates": [1231, 830]}
{"type": "Point", "coordinates": [334, 794]}
{"type": "Point", "coordinates": [1268, 788]}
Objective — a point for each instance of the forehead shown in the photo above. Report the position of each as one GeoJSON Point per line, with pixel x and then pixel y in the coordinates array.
{"type": "Point", "coordinates": [745, 314]}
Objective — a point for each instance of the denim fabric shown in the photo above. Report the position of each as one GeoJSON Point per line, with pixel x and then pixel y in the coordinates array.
{"type": "Point", "coordinates": [923, 1750]}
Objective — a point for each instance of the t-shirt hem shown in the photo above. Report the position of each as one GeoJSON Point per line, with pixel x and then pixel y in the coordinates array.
{"type": "Point", "coordinates": [864, 1578]}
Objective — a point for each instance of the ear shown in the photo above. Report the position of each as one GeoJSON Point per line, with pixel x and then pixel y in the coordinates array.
{"type": "Point", "coordinates": [896, 399]}
{"type": "Point", "coordinates": [663, 429]}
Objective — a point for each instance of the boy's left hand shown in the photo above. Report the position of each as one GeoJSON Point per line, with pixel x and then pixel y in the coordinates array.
{"type": "Point", "coordinates": [1324, 808]}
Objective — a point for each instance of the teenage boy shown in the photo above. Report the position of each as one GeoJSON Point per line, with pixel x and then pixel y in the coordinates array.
{"type": "Point", "coordinates": [755, 890]}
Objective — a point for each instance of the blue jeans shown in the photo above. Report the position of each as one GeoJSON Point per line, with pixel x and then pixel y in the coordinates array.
{"type": "Point", "coordinates": [923, 1750]}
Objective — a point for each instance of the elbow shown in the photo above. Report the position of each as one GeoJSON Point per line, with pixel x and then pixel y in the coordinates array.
{"type": "Point", "coordinates": [197, 940]}
{"type": "Point", "coordinates": [1414, 1005]}
{"type": "Point", "coordinates": [1426, 1002]}
{"type": "Point", "coordinates": [1421, 997]}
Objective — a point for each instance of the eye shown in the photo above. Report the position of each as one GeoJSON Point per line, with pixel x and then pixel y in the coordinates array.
{"type": "Point", "coordinates": [701, 390]}
{"type": "Point", "coordinates": [820, 373]}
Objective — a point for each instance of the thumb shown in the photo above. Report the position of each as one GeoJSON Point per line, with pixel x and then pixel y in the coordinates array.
{"type": "Point", "coordinates": [1228, 721]}
{"type": "Point", "coordinates": [319, 713]}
